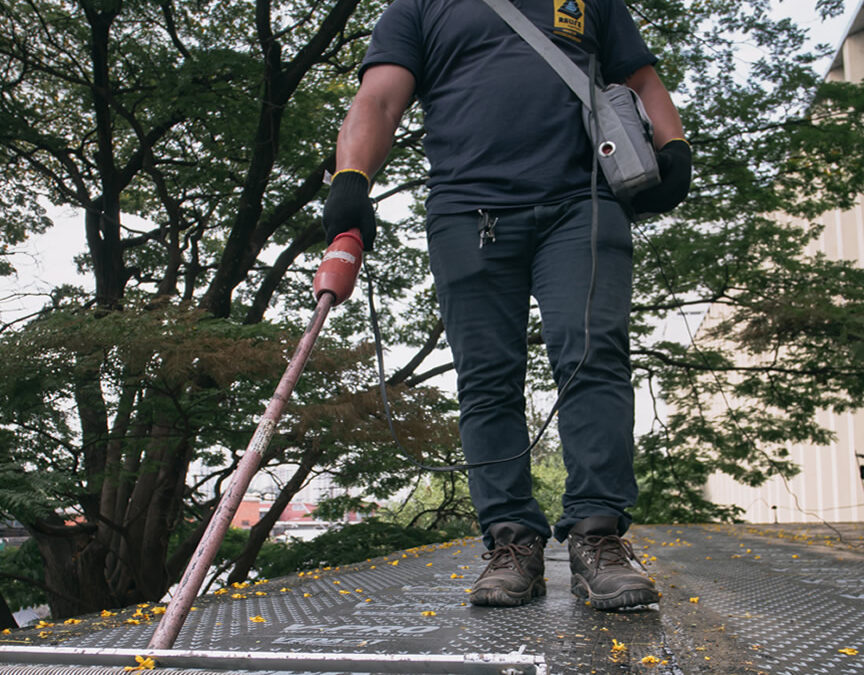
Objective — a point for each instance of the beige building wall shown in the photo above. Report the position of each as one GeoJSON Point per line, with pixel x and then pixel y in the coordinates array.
{"type": "Point", "coordinates": [830, 485]}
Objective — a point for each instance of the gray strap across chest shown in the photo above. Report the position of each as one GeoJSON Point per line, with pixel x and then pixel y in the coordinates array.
{"type": "Point", "coordinates": [567, 70]}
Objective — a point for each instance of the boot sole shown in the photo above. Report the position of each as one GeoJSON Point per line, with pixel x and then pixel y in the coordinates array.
{"type": "Point", "coordinates": [623, 598]}
{"type": "Point", "coordinates": [500, 597]}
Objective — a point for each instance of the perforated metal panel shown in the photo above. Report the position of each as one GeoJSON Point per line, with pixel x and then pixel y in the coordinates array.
{"type": "Point", "coordinates": [791, 601]}
{"type": "Point", "coordinates": [784, 608]}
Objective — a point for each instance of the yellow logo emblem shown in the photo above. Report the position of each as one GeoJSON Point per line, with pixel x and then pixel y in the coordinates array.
{"type": "Point", "coordinates": [569, 19]}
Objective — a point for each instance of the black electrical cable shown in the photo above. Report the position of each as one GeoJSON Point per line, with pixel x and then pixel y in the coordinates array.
{"type": "Point", "coordinates": [373, 316]}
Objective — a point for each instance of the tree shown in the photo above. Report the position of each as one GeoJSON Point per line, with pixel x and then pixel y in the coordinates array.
{"type": "Point", "coordinates": [766, 131]}
{"type": "Point", "coordinates": [216, 123]}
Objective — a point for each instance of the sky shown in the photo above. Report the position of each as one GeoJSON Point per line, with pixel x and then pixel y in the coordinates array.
{"type": "Point", "coordinates": [47, 260]}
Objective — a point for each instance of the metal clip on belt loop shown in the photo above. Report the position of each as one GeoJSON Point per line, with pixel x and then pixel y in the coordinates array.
{"type": "Point", "coordinates": [486, 227]}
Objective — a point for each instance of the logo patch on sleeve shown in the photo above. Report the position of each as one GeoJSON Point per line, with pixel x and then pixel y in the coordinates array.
{"type": "Point", "coordinates": [569, 19]}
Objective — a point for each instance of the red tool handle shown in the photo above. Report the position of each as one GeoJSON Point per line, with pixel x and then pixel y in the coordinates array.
{"type": "Point", "coordinates": [338, 271]}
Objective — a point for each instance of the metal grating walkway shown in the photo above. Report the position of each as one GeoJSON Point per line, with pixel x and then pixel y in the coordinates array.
{"type": "Point", "coordinates": [736, 599]}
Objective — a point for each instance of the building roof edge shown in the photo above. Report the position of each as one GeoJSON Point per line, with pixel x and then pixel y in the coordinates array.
{"type": "Point", "coordinates": [855, 25]}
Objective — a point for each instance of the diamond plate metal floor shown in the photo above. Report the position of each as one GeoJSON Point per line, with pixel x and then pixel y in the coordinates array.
{"type": "Point", "coordinates": [736, 599]}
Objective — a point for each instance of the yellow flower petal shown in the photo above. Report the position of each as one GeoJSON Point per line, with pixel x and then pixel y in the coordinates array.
{"type": "Point", "coordinates": [257, 619]}
{"type": "Point", "coordinates": [848, 651]}
{"type": "Point", "coordinates": [618, 646]}
{"type": "Point", "coordinates": [695, 599]}
{"type": "Point", "coordinates": [158, 610]}
{"type": "Point", "coordinates": [144, 663]}
{"type": "Point", "coordinates": [106, 613]}
{"type": "Point", "coordinates": [650, 661]}
{"type": "Point", "coordinates": [427, 613]}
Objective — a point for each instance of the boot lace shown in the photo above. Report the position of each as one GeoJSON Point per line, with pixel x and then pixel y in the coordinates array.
{"type": "Point", "coordinates": [506, 555]}
{"type": "Point", "coordinates": [611, 550]}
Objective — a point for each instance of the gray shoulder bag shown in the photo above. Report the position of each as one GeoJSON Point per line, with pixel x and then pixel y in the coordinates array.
{"type": "Point", "coordinates": [619, 128]}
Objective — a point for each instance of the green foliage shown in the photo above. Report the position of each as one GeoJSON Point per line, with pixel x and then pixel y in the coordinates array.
{"type": "Point", "coordinates": [436, 500]}
{"type": "Point", "coordinates": [232, 545]}
{"type": "Point", "coordinates": [782, 339]}
{"type": "Point", "coordinates": [370, 538]}
{"type": "Point", "coordinates": [21, 563]}
{"type": "Point", "coordinates": [549, 475]}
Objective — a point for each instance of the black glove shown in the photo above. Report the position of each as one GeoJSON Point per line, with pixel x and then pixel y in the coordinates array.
{"type": "Point", "coordinates": [676, 163]}
{"type": "Point", "coordinates": [348, 205]}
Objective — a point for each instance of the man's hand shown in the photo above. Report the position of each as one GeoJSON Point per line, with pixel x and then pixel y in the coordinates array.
{"type": "Point", "coordinates": [676, 164]}
{"type": "Point", "coordinates": [348, 205]}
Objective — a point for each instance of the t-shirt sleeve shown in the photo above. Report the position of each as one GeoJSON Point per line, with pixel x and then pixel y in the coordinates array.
{"type": "Point", "coordinates": [622, 49]}
{"type": "Point", "coordinates": [397, 39]}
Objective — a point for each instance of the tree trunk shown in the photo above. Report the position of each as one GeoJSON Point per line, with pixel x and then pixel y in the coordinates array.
{"type": "Point", "coordinates": [74, 570]}
{"type": "Point", "coordinates": [150, 517]}
{"type": "Point", "coordinates": [103, 221]}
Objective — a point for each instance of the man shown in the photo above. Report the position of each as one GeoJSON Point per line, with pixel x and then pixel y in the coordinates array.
{"type": "Point", "coordinates": [509, 216]}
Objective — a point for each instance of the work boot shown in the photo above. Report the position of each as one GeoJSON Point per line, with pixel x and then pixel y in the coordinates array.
{"type": "Point", "coordinates": [604, 567]}
{"type": "Point", "coordinates": [514, 574]}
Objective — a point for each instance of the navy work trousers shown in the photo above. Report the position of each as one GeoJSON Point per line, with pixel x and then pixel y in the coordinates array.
{"type": "Point", "coordinates": [484, 294]}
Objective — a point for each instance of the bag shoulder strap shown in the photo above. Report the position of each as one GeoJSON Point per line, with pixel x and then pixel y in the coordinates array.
{"type": "Point", "coordinates": [567, 70]}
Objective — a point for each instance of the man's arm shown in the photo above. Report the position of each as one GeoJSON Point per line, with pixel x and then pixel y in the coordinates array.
{"type": "Point", "coordinates": [658, 105]}
{"type": "Point", "coordinates": [364, 141]}
{"type": "Point", "coordinates": [674, 157]}
{"type": "Point", "coordinates": [367, 132]}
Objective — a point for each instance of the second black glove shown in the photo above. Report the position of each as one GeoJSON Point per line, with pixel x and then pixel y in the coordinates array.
{"type": "Point", "coordinates": [675, 161]}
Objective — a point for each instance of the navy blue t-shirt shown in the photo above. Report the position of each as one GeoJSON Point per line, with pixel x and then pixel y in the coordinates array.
{"type": "Point", "coordinates": [503, 130]}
